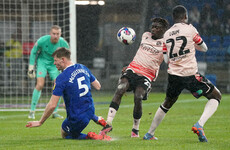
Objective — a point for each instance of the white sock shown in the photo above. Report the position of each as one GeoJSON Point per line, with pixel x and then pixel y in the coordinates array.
{"type": "Point", "coordinates": [136, 123]}
{"type": "Point", "coordinates": [159, 116]}
{"type": "Point", "coordinates": [111, 115]}
{"type": "Point", "coordinates": [209, 110]}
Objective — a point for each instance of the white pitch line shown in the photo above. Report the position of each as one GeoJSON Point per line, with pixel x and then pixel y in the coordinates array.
{"type": "Point", "coordinates": [100, 108]}
{"type": "Point", "coordinates": [158, 103]}
{"type": "Point", "coordinates": [122, 106]}
{"type": "Point", "coordinates": [15, 116]}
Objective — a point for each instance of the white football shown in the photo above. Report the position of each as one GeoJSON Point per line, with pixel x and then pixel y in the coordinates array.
{"type": "Point", "coordinates": [126, 35]}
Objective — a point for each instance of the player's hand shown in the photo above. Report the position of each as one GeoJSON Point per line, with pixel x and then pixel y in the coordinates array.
{"type": "Point", "coordinates": [31, 72]}
{"type": "Point", "coordinates": [31, 124]}
{"type": "Point", "coordinates": [124, 69]}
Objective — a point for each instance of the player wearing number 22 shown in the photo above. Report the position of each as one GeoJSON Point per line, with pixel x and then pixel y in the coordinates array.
{"type": "Point", "coordinates": [181, 41]}
{"type": "Point", "coordinates": [74, 84]}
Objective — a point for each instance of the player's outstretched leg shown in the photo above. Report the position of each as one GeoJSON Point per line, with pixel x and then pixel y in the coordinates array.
{"type": "Point", "coordinates": [149, 137]}
{"type": "Point", "coordinates": [200, 132]}
{"type": "Point", "coordinates": [106, 129]}
{"type": "Point", "coordinates": [94, 136]}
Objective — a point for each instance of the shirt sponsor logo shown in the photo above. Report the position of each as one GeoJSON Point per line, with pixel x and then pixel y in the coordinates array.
{"type": "Point", "coordinates": [149, 48]}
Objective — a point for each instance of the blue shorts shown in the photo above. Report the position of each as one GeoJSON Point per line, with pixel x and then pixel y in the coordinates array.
{"type": "Point", "coordinates": [74, 127]}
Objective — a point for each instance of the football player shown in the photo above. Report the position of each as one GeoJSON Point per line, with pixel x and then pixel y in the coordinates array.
{"type": "Point", "coordinates": [139, 74]}
{"type": "Point", "coordinates": [74, 84]}
{"type": "Point", "coordinates": [181, 40]}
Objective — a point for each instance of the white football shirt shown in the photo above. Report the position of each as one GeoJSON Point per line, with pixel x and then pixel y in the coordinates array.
{"type": "Point", "coordinates": [148, 58]}
{"type": "Point", "coordinates": [180, 40]}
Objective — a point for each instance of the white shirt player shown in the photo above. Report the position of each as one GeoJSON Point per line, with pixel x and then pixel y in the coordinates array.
{"type": "Point", "coordinates": [181, 40]}
{"type": "Point", "coordinates": [148, 58]}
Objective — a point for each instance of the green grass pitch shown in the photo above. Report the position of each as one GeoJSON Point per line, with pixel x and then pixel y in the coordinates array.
{"type": "Point", "coordinates": [174, 132]}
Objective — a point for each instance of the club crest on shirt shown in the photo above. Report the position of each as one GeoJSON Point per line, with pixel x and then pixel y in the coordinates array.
{"type": "Point", "coordinates": [158, 43]}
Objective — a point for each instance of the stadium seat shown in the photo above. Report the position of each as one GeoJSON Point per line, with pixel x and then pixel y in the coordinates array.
{"type": "Point", "coordinates": [211, 55]}
{"type": "Point", "coordinates": [215, 41]}
{"type": "Point", "coordinates": [212, 78]}
{"type": "Point", "coordinates": [205, 39]}
{"type": "Point", "coordinates": [220, 13]}
{"type": "Point", "coordinates": [200, 56]}
{"type": "Point", "coordinates": [226, 41]}
{"type": "Point", "coordinates": [221, 54]}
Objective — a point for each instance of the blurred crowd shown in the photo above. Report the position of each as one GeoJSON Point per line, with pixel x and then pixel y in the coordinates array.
{"type": "Point", "coordinates": [210, 17]}
{"type": "Point", "coordinates": [212, 20]}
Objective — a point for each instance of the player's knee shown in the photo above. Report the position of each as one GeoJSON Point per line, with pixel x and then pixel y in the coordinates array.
{"type": "Point", "coordinates": [39, 86]}
{"type": "Point", "coordinates": [63, 134]}
{"type": "Point", "coordinates": [215, 94]}
{"type": "Point", "coordinates": [121, 88]}
{"type": "Point", "coordinates": [139, 96]}
{"type": "Point", "coordinates": [168, 103]}
{"type": "Point", "coordinates": [137, 115]}
{"type": "Point", "coordinates": [219, 95]}
{"type": "Point", "coordinates": [139, 93]}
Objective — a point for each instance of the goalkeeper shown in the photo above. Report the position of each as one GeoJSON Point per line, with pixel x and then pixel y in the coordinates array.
{"type": "Point", "coordinates": [42, 55]}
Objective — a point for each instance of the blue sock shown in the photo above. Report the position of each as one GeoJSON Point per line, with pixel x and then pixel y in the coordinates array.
{"type": "Point", "coordinates": [82, 136]}
{"type": "Point", "coordinates": [68, 137]}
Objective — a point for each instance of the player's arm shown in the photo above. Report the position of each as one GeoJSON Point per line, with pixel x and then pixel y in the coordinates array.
{"type": "Point", "coordinates": [96, 84]}
{"type": "Point", "coordinates": [199, 43]}
{"type": "Point", "coordinates": [165, 55]}
{"type": "Point", "coordinates": [48, 111]}
{"type": "Point", "coordinates": [33, 53]}
{"type": "Point", "coordinates": [166, 59]}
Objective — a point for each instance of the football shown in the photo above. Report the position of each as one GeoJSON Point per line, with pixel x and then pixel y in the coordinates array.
{"type": "Point", "coordinates": [126, 35]}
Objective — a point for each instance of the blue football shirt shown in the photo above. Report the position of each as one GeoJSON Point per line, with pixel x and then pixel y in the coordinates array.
{"type": "Point", "coordinates": [74, 84]}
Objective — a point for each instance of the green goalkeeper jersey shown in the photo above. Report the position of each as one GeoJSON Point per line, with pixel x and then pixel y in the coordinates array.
{"type": "Point", "coordinates": [45, 49]}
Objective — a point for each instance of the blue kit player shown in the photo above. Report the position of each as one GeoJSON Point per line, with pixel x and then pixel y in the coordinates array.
{"type": "Point", "coordinates": [74, 84]}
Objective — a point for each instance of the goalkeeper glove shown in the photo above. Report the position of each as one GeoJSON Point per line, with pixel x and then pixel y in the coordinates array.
{"type": "Point", "coordinates": [31, 72]}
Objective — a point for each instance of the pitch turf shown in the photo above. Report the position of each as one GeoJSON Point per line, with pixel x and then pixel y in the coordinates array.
{"type": "Point", "coordinates": [174, 132]}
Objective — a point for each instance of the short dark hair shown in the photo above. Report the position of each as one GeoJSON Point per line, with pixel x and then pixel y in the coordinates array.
{"type": "Point", "coordinates": [62, 52]}
{"type": "Point", "coordinates": [162, 21]}
{"type": "Point", "coordinates": [179, 12]}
